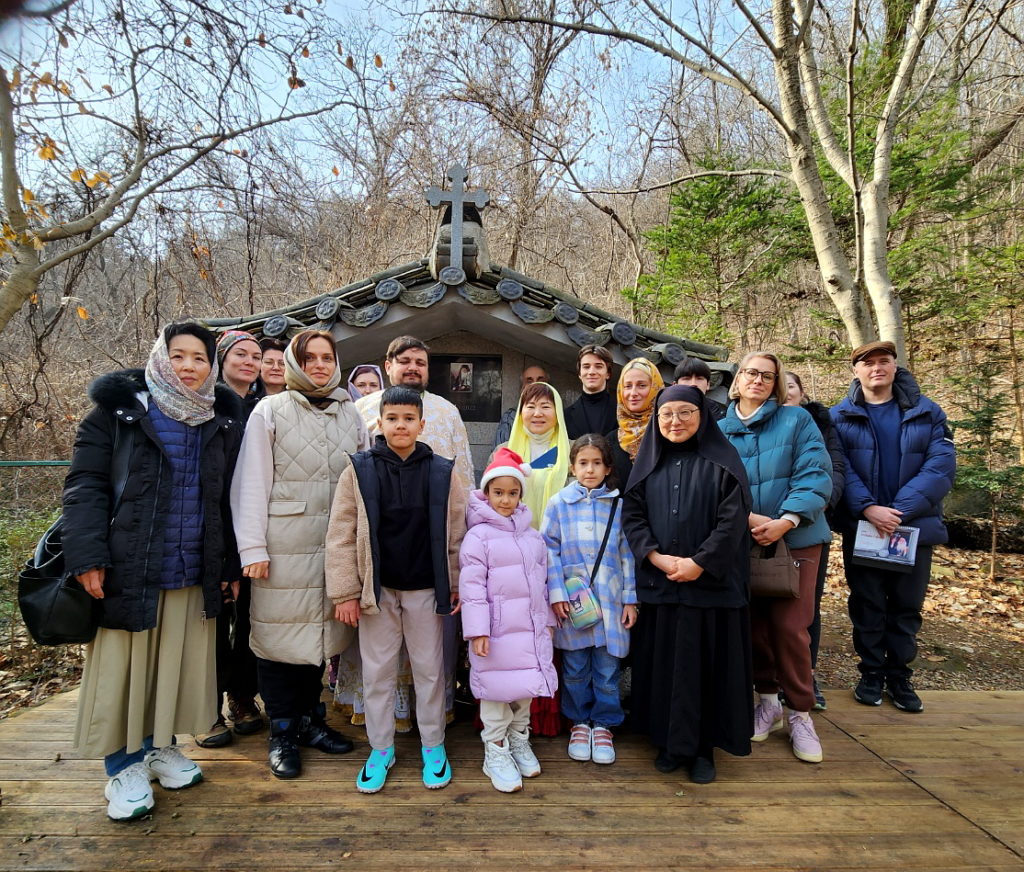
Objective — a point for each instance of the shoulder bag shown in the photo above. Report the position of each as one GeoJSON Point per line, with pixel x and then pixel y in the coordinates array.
{"type": "Point", "coordinates": [56, 609]}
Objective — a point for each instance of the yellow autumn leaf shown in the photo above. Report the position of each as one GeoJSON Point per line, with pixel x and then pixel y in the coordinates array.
{"type": "Point", "coordinates": [203, 274]}
{"type": "Point", "coordinates": [37, 243]}
{"type": "Point", "coordinates": [64, 88]}
{"type": "Point", "coordinates": [188, 42]}
{"type": "Point", "coordinates": [109, 90]}
{"type": "Point", "coordinates": [262, 40]}
{"type": "Point", "coordinates": [15, 78]}
{"type": "Point", "coordinates": [27, 196]}
{"type": "Point", "coordinates": [83, 109]}
{"type": "Point", "coordinates": [77, 174]}
{"type": "Point", "coordinates": [350, 62]}
{"type": "Point", "coordinates": [82, 313]}
{"type": "Point", "coordinates": [40, 425]}
{"type": "Point", "coordinates": [8, 232]}
{"type": "Point", "coordinates": [305, 51]}
{"type": "Point", "coordinates": [46, 79]}
{"type": "Point", "coordinates": [34, 299]}
{"type": "Point", "coordinates": [63, 41]}
{"type": "Point", "coordinates": [41, 211]}
{"type": "Point", "coordinates": [92, 182]}
{"type": "Point", "coordinates": [341, 51]}
{"type": "Point", "coordinates": [378, 61]}
{"type": "Point", "coordinates": [336, 171]}
{"type": "Point", "coordinates": [391, 85]}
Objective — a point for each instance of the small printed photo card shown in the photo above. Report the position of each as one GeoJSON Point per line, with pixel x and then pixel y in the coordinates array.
{"type": "Point", "coordinates": [897, 551]}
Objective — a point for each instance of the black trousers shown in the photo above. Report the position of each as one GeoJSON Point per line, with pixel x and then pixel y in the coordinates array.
{"type": "Point", "coordinates": [289, 690]}
{"type": "Point", "coordinates": [885, 609]}
{"type": "Point", "coordinates": [236, 664]}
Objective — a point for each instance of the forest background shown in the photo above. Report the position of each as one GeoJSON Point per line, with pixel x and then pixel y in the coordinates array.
{"type": "Point", "coordinates": [792, 176]}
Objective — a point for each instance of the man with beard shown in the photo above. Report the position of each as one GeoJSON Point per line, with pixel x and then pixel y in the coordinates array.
{"type": "Point", "coordinates": [407, 364]}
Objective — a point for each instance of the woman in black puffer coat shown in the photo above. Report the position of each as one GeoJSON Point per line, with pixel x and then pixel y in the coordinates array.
{"type": "Point", "coordinates": [795, 396]}
{"type": "Point", "coordinates": [158, 562]}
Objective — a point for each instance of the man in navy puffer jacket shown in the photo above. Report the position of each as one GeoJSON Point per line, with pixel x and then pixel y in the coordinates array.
{"type": "Point", "coordinates": [900, 463]}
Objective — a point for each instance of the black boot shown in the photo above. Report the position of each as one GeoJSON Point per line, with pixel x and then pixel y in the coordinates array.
{"type": "Point", "coordinates": [314, 733]}
{"type": "Point", "coordinates": [284, 758]}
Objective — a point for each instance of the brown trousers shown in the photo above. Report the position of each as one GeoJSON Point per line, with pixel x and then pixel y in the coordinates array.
{"type": "Point", "coordinates": [779, 639]}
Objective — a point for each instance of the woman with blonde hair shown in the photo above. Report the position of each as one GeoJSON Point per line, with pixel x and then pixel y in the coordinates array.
{"type": "Point", "coordinates": [790, 481]}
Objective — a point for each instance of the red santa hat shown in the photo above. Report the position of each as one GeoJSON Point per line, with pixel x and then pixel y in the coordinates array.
{"type": "Point", "coordinates": [506, 462]}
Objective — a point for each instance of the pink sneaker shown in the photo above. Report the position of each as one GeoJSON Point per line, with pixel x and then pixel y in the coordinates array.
{"type": "Point", "coordinates": [805, 742]}
{"type": "Point", "coordinates": [767, 719]}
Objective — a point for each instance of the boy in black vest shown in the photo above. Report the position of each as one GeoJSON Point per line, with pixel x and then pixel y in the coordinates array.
{"type": "Point", "coordinates": [392, 565]}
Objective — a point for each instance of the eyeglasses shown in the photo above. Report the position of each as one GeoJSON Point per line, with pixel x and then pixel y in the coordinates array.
{"type": "Point", "coordinates": [767, 376]}
{"type": "Point", "coordinates": [683, 416]}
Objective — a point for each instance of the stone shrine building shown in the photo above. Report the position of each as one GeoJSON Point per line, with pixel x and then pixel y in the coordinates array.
{"type": "Point", "coordinates": [484, 322]}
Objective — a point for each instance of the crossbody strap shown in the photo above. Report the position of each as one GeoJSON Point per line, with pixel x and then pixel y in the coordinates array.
{"type": "Point", "coordinates": [604, 541]}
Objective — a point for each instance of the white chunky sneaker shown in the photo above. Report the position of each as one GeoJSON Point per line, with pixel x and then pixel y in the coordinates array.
{"type": "Point", "coordinates": [172, 768]}
{"type": "Point", "coordinates": [522, 753]}
{"type": "Point", "coordinates": [501, 768]}
{"type": "Point", "coordinates": [129, 794]}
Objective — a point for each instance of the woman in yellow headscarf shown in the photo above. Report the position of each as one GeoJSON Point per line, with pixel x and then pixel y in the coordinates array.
{"type": "Point", "coordinates": [539, 437]}
{"type": "Point", "coordinates": [639, 383]}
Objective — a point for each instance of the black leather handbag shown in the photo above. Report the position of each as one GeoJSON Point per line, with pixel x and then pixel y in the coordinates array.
{"type": "Point", "coordinates": [56, 609]}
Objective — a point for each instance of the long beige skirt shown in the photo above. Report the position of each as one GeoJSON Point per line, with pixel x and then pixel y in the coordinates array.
{"type": "Point", "coordinates": [155, 683]}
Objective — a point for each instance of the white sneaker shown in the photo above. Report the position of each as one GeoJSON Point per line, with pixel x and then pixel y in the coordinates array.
{"type": "Point", "coordinates": [579, 742]}
{"type": "Point", "coordinates": [129, 793]}
{"type": "Point", "coordinates": [522, 753]}
{"type": "Point", "coordinates": [172, 768]}
{"type": "Point", "coordinates": [501, 768]}
{"type": "Point", "coordinates": [603, 749]}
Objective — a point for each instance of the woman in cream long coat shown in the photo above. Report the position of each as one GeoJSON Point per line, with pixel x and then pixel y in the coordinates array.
{"type": "Point", "coordinates": [295, 448]}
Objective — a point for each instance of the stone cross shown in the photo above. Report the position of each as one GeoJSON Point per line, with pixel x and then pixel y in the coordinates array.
{"type": "Point", "coordinates": [457, 196]}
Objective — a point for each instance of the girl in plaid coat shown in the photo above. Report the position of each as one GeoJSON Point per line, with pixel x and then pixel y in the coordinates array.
{"type": "Point", "coordinates": [574, 527]}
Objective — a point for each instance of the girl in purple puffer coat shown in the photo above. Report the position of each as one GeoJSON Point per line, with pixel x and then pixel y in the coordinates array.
{"type": "Point", "coordinates": [506, 618]}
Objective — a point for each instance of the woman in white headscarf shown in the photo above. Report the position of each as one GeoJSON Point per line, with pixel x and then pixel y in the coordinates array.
{"type": "Point", "coordinates": [157, 559]}
{"type": "Point", "coordinates": [295, 448]}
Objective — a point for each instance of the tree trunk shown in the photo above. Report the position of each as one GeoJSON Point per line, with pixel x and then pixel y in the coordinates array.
{"type": "Point", "coordinates": [836, 276]}
{"type": "Point", "coordinates": [22, 283]}
{"type": "Point", "coordinates": [884, 299]}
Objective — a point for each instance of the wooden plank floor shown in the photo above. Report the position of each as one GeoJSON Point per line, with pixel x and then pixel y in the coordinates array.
{"type": "Point", "coordinates": [939, 791]}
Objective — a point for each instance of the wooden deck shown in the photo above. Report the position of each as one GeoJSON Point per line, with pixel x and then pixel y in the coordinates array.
{"type": "Point", "coordinates": [939, 791]}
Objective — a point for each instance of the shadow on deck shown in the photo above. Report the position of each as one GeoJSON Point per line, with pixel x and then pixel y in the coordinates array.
{"type": "Point", "coordinates": [942, 790]}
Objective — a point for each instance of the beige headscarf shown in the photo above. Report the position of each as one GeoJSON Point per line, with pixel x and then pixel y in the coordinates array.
{"type": "Point", "coordinates": [633, 425]}
{"type": "Point", "coordinates": [295, 377]}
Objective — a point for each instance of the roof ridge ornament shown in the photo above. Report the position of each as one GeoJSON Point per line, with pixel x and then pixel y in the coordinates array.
{"type": "Point", "coordinates": [464, 254]}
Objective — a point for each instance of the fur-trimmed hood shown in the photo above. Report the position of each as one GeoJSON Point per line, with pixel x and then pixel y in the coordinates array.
{"type": "Point", "coordinates": [117, 390]}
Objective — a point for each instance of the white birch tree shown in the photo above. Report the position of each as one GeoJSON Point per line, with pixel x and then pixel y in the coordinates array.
{"type": "Point", "coordinates": [912, 42]}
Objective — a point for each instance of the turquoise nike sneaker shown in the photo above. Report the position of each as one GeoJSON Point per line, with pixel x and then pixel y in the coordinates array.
{"type": "Point", "coordinates": [437, 771]}
{"type": "Point", "coordinates": [374, 773]}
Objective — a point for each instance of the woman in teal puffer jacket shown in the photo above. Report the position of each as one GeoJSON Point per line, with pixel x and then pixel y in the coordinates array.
{"type": "Point", "coordinates": [790, 480]}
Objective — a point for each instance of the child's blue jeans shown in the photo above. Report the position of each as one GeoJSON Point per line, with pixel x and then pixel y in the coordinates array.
{"type": "Point", "coordinates": [590, 687]}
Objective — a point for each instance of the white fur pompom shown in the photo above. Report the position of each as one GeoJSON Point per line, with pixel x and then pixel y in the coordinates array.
{"type": "Point", "coordinates": [526, 469]}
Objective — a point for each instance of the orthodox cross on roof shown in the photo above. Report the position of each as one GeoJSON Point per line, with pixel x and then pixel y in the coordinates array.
{"type": "Point", "coordinates": [457, 196]}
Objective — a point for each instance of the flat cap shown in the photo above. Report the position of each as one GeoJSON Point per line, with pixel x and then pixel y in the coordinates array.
{"type": "Point", "coordinates": [871, 348]}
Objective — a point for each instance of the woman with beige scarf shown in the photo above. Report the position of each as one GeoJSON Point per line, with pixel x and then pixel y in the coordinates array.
{"type": "Point", "coordinates": [295, 448]}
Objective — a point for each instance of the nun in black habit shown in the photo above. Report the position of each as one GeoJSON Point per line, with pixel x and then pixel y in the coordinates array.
{"type": "Point", "coordinates": [685, 516]}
